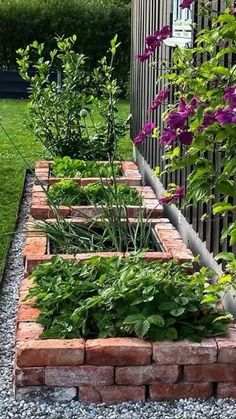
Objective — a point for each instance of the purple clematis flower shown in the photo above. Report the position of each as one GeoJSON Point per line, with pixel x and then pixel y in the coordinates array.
{"type": "Point", "coordinates": [139, 138]}
{"type": "Point", "coordinates": [171, 198]}
{"type": "Point", "coordinates": [153, 42]}
{"type": "Point", "coordinates": [148, 128]}
{"type": "Point", "coordinates": [230, 94]}
{"type": "Point", "coordinates": [163, 33]}
{"type": "Point", "coordinates": [168, 137]}
{"type": "Point", "coordinates": [186, 4]}
{"type": "Point", "coordinates": [161, 97]}
{"type": "Point", "coordinates": [177, 119]}
{"type": "Point", "coordinates": [189, 107]}
{"type": "Point", "coordinates": [225, 116]}
{"type": "Point", "coordinates": [186, 137]}
{"type": "Point", "coordinates": [144, 56]}
{"type": "Point", "coordinates": [180, 192]}
{"type": "Point", "coordinates": [208, 119]}
{"type": "Point", "coordinates": [145, 132]}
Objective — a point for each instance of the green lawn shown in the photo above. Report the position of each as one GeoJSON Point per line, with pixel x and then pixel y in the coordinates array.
{"type": "Point", "coordinates": [13, 167]}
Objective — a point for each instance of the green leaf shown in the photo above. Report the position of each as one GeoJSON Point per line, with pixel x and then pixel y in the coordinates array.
{"type": "Point", "coordinates": [134, 318]}
{"type": "Point", "coordinates": [222, 207]}
{"type": "Point", "coordinates": [156, 319]}
{"type": "Point", "coordinates": [141, 328]}
{"type": "Point", "coordinates": [171, 333]}
{"type": "Point", "coordinates": [229, 256]}
{"type": "Point", "coordinates": [177, 311]}
{"type": "Point", "coordinates": [226, 187]}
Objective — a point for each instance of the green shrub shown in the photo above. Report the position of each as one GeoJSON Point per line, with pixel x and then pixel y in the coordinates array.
{"type": "Point", "coordinates": [67, 167]}
{"type": "Point", "coordinates": [106, 297]}
{"type": "Point", "coordinates": [67, 192]}
{"type": "Point", "coordinates": [61, 114]}
{"type": "Point", "coordinates": [94, 22]}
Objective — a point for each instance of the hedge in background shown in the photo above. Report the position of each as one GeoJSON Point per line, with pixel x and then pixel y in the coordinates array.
{"type": "Point", "coordinates": [94, 22]}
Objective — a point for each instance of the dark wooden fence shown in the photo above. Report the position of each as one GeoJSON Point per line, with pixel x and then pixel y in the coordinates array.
{"type": "Point", "coordinates": [147, 16]}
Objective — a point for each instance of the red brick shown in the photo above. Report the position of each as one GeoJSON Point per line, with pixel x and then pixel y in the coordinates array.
{"type": "Point", "coordinates": [148, 374]}
{"type": "Point", "coordinates": [150, 256]}
{"type": "Point", "coordinates": [129, 181]}
{"type": "Point", "coordinates": [42, 164]}
{"type": "Point", "coordinates": [39, 212]}
{"type": "Point", "coordinates": [26, 283]}
{"type": "Point", "coordinates": [63, 211]}
{"type": "Point", "coordinates": [227, 347]}
{"type": "Point", "coordinates": [53, 180]}
{"type": "Point", "coordinates": [111, 394]}
{"type": "Point", "coordinates": [182, 256]}
{"type": "Point", "coordinates": [88, 180]}
{"type": "Point", "coordinates": [167, 234]}
{"type": "Point", "coordinates": [226, 390]}
{"type": "Point", "coordinates": [88, 394]}
{"type": "Point", "coordinates": [210, 373]}
{"type": "Point", "coordinates": [26, 313]}
{"type": "Point", "coordinates": [128, 165]}
{"type": "Point", "coordinates": [76, 376]}
{"type": "Point", "coordinates": [50, 352]}
{"type": "Point", "coordinates": [29, 377]}
{"type": "Point", "coordinates": [169, 392]}
{"type": "Point", "coordinates": [118, 351]}
{"type": "Point", "coordinates": [28, 330]}
{"type": "Point", "coordinates": [185, 352]}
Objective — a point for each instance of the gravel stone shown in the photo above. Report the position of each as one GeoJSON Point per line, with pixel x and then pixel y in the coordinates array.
{"type": "Point", "coordinates": [35, 408]}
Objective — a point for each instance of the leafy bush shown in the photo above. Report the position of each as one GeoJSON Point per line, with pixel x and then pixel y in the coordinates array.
{"type": "Point", "coordinates": [67, 167]}
{"type": "Point", "coordinates": [61, 114]}
{"type": "Point", "coordinates": [106, 297]}
{"type": "Point", "coordinates": [68, 192]}
{"type": "Point", "coordinates": [43, 19]}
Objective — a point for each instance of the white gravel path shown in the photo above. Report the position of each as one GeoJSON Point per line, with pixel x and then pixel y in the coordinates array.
{"type": "Point", "coordinates": [9, 408]}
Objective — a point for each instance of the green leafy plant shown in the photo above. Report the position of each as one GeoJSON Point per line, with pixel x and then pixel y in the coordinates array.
{"type": "Point", "coordinates": [106, 297]}
{"type": "Point", "coordinates": [61, 112]}
{"type": "Point", "coordinates": [68, 192]}
{"type": "Point", "coordinates": [67, 167]}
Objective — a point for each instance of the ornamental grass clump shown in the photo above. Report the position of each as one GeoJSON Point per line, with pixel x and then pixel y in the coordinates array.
{"type": "Point", "coordinates": [108, 297]}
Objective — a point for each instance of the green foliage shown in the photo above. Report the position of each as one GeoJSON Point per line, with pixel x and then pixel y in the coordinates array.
{"type": "Point", "coordinates": [61, 113]}
{"type": "Point", "coordinates": [106, 297]}
{"type": "Point", "coordinates": [67, 167]}
{"type": "Point", "coordinates": [204, 81]}
{"type": "Point", "coordinates": [94, 22]}
{"type": "Point", "coordinates": [68, 192]}
{"type": "Point", "coordinates": [113, 231]}
{"type": "Point", "coordinates": [112, 194]}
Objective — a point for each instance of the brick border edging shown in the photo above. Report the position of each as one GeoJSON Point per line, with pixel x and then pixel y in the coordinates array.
{"type": "Point", "coordinates": [35, 250]}
{"type": "Point", "coordinates": [39, 208]}
{"type": "Point", "coordinates": [116, 370]}
{"type": "Point", "coordinates": [131, 175]}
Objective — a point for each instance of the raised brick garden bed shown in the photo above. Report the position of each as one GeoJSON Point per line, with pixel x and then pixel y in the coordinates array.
{"type": "Point", "coordinates": [130, 175]}
{"type": "Point", "coordinates": [37, 251]}
{"type": "Point", "coordinates": [40, 209]}
{"type": "Point", "coordinates": [120, 369]}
